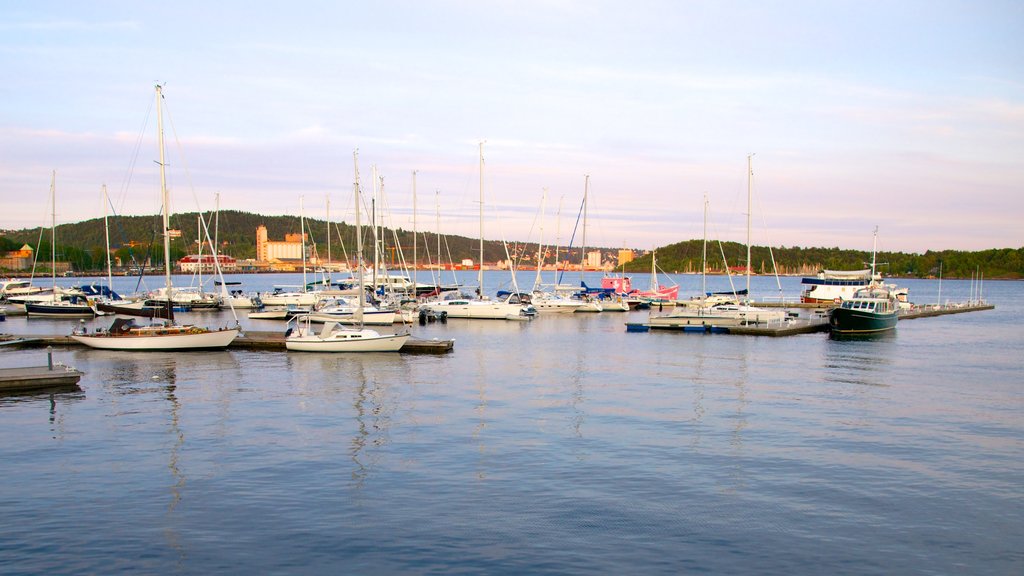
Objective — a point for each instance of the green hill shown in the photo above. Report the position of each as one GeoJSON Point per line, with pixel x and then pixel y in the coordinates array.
{"type": "Point", "coordinates": [135, 237]}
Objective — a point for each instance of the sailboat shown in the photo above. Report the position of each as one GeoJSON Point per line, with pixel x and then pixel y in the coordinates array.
{"type": "Point", "coordinates": [124, 334]}
{"type": "Point", "coordinates": [590, 304]}
{"type": "Point", "coordinates": [709, 312]}
{"type": "Point", "coordinates": [656, 294]}
{"type": "Point", "coordinates": [333, 337]}
{"type": "Point", "coordinates": [60, 304]}
{"type": "Point", "coordinates": [511, 307]}
{"type": "Point", "coordinates": [545, 301]}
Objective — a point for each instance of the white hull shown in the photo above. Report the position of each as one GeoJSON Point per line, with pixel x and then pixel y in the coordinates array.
{"type": "Point", "coordinates": [477, 309]}
{"type": "Point", "coordinates": [693, 319]}
{"type": "Point", "coordinates": [239, 302]}
{"type": "Point", "coordinates": [290, 298]}
{"type": "Point", "coordinates": [277, 314]}
{"type": "Point", "coordinates": [382, 318]}
{"type": "Point", "coordinates": [147, 341]}
{"type": "Point", "coordinates": [722, 315]}
{"type": "Point", "coordinates": [592, 306]}
{"type": "Point", "coordinates": [346, 341]}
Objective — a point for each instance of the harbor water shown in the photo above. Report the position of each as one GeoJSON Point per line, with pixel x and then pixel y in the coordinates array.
{"type": "Point", "coordinates": [565, 445]}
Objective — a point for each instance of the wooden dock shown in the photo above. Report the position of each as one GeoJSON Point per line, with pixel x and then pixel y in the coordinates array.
{"type": "Point", "coordinates": [789, 328]}
{"type": "Point", "coordinates": [805, 325]}
{"type": "Point", "coordinates": [935, 310]}
{"type": "Point", "coordinates": [249, 340]}
{"type": "Point", "coordinates": [39, 378]}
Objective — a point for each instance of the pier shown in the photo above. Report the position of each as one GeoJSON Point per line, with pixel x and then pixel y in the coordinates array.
{"type": "Point", "coordinates": [39, 378]}
{"type": "Point", "coordinates": [818, 323]}
{"type": "Point", "coordinates": [249, 340]}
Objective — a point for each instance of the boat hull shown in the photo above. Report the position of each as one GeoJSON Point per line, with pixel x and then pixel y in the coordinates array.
{"type": "Point", "coordinates": [379, 318]}
{"type": "Point", "coordinates": [477, 310]}
{"type": "Point", "coordinates": [313, 343]}
{"type": "Point", "coordinates": [203, 340]}
{"type": "Point", "coordinates": [848, 321]}
{"type": "Point", "coordinates": [40, 310]}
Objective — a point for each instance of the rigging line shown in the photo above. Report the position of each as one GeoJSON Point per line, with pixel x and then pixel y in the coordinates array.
{"type": "Point", "coordinates": [768, 240]}
{"type": "Point", "coordinates": [568, 248]}
{"type": "Point", "coordinates": [126, 179]}
{"type": "Point", "coordinates": [205, 232]}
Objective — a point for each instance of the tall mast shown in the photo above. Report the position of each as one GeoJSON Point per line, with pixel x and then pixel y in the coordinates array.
{"type": "Point", "coordinates": [437, 224]}
{"type": "Point", "coordinates": [480, 272]}
{"type": "Point", "coordinates": [163, 195]}
{"type": "Point", "coordinates": [359, 240]}
{"type": "Point", "coordinates": [874, 247]}
{"type": "Point", "coordinates": [540, 244]}
{"type": "Point", "coordinates": [583, 248]}
{"type": "Point", "coordinates": [377, 183]}
{"type": "Point", "coordinates": [704, 253]}
{"type": "Point", "coordinates": [558, 235]}
{"type": "Point", "coordinates": [199, 255]}
{"type": "Point", "coordinates": [106, 233]}
{"type": "Point", "coordinates": [216, 235]}
{"type": "Point", "coordinates": [415, 264]}
{"type": "Point", "coordinates": [53, 231]}
{"type": "Point", "coordinates": [302, 232]}
{"type": "Point", "coordinates": [750, 176]}
{"type": "Point", "coordinates": [328, 229]}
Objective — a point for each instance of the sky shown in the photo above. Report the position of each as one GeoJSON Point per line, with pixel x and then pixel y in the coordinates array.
{"type": "Point", "coordinates": [908, 116]}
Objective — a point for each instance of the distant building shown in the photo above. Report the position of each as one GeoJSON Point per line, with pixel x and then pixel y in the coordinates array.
{"type": "Point", "coordinates": [594, 259]}
{"type": "Point", "coordinates": [625, 256]}
{"type": "Point", "coordinates": [271, 250]}
{"type": "Point", "coordinates": [205, 263]}
{"type": "Point", "coordinates": [18, 259]}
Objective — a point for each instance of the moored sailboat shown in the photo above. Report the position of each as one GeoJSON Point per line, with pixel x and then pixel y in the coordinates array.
{"type": "Point", "coordinates": [333, 337]}
{"type": "Point", "coordinates": [124, 334]}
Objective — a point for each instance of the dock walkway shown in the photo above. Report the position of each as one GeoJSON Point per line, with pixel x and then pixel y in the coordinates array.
{"type": "Point", "coordinates": [250, 340]}
{"type": "Point", "coordinates": [804, 325]}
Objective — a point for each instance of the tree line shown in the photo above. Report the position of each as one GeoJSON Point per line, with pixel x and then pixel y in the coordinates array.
{"type": "Point", "coordinates": [139, 239]}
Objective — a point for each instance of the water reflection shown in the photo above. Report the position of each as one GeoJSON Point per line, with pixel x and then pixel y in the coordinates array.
{"type": "Point", "coordinates": [861, 360]}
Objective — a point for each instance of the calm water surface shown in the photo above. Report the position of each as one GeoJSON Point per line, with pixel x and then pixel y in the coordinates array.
{"type": "Point", "coordinates": [563, 445]}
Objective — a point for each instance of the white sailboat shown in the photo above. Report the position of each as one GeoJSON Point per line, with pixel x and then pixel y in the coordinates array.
{"type": "Point", "coordinates": [589, 304]}
{"type": "Point", "coordinates": [455, 305]}
{"type": "Point", "coordinates": [124, 334]}
{"type": "Point", "coordinates": [61, 303]}
{"type": "Point", "coordinates": [708, 312]}
{"type": "Point", "coordinates": [333, 337]}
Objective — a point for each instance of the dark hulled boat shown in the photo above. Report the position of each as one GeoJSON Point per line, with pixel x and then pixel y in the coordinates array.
{"type": "Point", "coordinates": [871, 310]}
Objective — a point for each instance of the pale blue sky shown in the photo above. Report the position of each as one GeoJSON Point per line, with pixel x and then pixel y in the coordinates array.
{"type": "Point", "coordinates": [904, 115]}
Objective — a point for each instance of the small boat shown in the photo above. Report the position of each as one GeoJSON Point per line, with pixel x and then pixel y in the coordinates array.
{"type": "Point", "coordinates": [655, 293]}
{"type": "Point", "coordinates": [73, 306]}
{"type": "Point", "coordinates": [14, 287]}
{"type": "Point", "coordinates": [125, 334]}
{"type": "Point", "coordinates": [551, 303]}
{"type": "Point", "coordinates": [870, 310]}
{"type": "Point", "coordinates": [458, 306]}
{"type": "Point", "coordinates": [343, 311]}
{"type": "Point", "coordinates": [187, 299]}
{"type": "Point", "coordinates": [333, 337]}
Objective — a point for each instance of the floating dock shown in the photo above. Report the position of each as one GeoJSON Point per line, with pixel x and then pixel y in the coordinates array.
{"type": "Point", "coordinates": [796, 326]}
{"type": "Point", "coordinates": [249, 340]}
{"type": "Point", "coordinates": [789, 328]}
{"type": "Point", "coordinates": [38, 378]}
